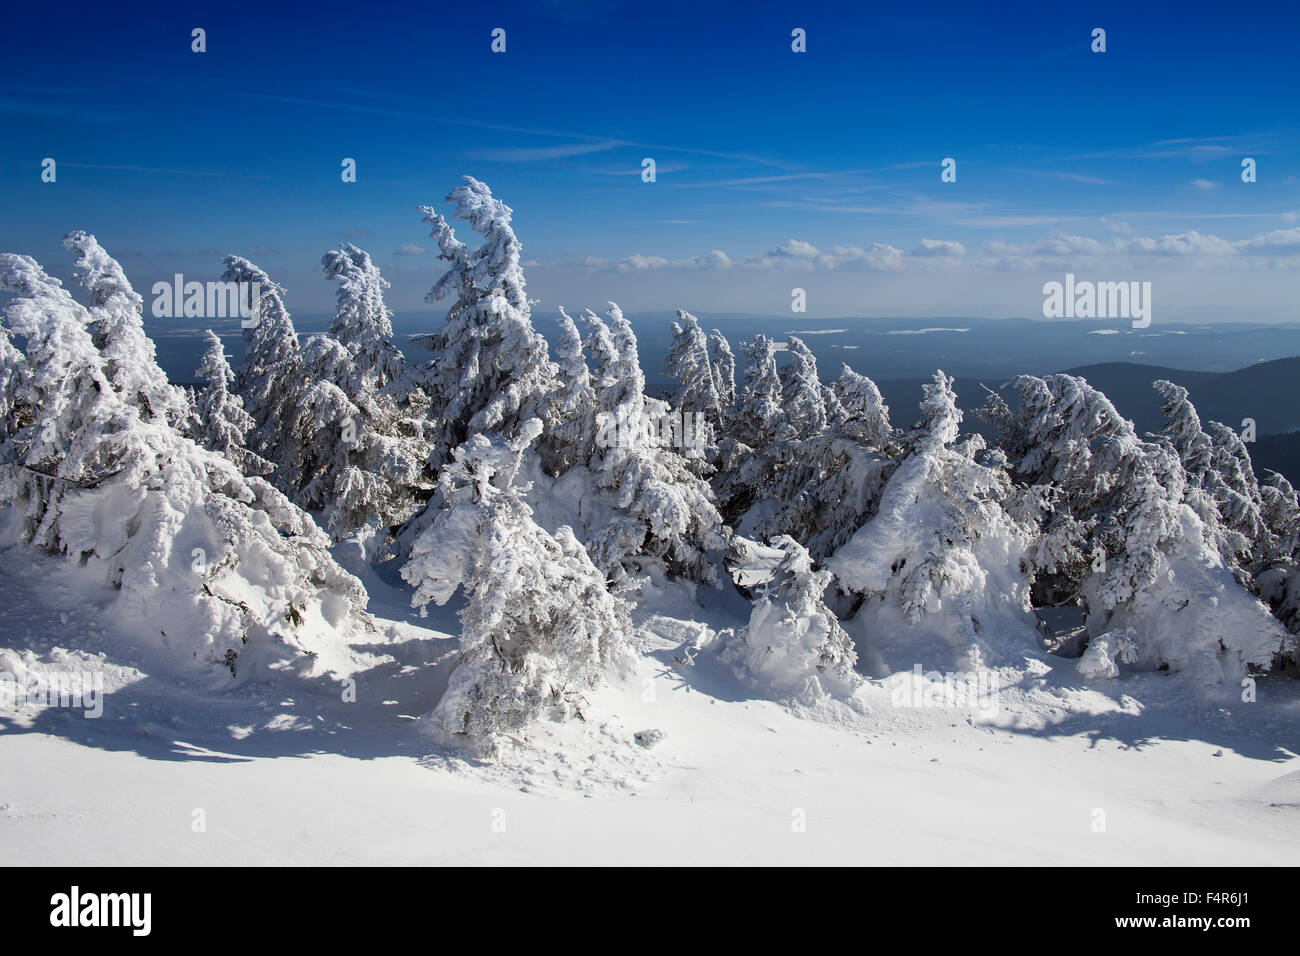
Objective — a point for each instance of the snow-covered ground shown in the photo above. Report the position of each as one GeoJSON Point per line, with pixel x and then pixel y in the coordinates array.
{"type": "Point", "coordinates": [185, 767]}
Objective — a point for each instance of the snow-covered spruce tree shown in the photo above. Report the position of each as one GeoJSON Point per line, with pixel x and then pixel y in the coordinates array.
{"type": "Point", "coordinates": [755, 424]}
{"type": "Point", "coordinates": [62, 406]}
{"type": "Point", "coordinates": [1278, 573]}
{"type": "Point", "coordinates": [759, 419]}
{"type": "Point", "coordinates": [223, 425]}
{"type": "Point", "coordinates": [865, 416]}
{"type": "Point", "coordinates": [794, 645]}
{"type": "Point", "coordinates": [816, 472]}
{"type": "Point", "coordinates": [341, 444]}
{"type": "Point", "coordinates": [325, 424]}
{"type": "Point", "coordinates": [1280, 511]}
{"type": "Point", "coordinates": [118, 333]}
{"type": "Point", "coordinates": [728, 452]}
{"type": "Point", "coordinates": [539, 626]}
{"type": "Point", "coordinates": [270, 379]}
{"type": "Point", "coordinates": [697, 391]}
{"type": "Point", "coordinates": [362, 465]}
{"type": "Point", "coordinates": [490, 369]}
{"type": "Point", "coordinates": [997, 413]}
{"type": "Point", "coordinates": [1059, 552]}
{"type": "Point", "coordinates": [939, 567]}
{"type": "Point", "coordinates": [801, 417]}
{"type": "Point", "coordinates": [1120, 535]}
{"type": "Point", "coordinates": [572, 417]}
{"type": "Point", "coordinates": [224, 567]}
{"type": "Point", "coordinates": [1221, 484]}
{"type": "Point", "coordinates": [13, 375]}
{"type": "Point", "coordinates": [828, 486]}
{"type": "Point", "coordinates": [661, 509]}
{"type": "Point", "coordinates": [801, 391]}
{"type": "Point", "coordinates": [363, 452]}
{"type": "Point", "coordinates": [362, 321]}
{"type": "Point", "coordinates": [723, 361]}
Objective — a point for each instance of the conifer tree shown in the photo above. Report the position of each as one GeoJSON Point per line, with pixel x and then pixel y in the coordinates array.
{"type": "Point", "coordinates": [539, 626]}
{"type": "Point", "coordinates": [223, 425]}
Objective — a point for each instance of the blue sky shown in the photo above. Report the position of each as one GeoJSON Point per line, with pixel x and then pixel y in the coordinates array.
{"type": "Point", "coordinates": [775, 169]}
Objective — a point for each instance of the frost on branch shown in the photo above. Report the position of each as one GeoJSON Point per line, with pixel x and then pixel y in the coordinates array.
{"type": "Point", "coordinates": [341, 442]}
{"type": "Point", "coordinates": [491, 372]}
{"type": "Point", "coordinates": [864, 416]}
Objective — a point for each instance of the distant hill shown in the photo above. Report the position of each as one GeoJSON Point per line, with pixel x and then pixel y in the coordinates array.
{"type": "Point", "coordinates": [1128, 385]}
{"type": "Point", "coordinates": [1280, 453]}
{"type": "Point", "coordinates": [1266, 392]}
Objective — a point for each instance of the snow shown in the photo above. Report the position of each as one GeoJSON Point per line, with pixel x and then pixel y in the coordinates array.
{"type": "Point", "coordinates": [794, 646]}
{"type": "Point", "coordinates": [922, 331]}
{"type": "Point", "coordinates": [1101, 659]}
{"type": "Point", "coordinates": [287, 774]}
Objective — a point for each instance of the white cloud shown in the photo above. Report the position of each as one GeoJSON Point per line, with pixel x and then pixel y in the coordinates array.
{"type": "Point", "coordinates": [1062, 244]}
{"type": "Point", "coordinates": [716, 260]}
{"type": "Point", "coordinates": [797, 254]}
{"type": "Point", "coordinates": [1197, 149]}
{"type": "Point", "coordinates": [1056, 252]}
{"type": "Point", "coordinates": [1185, 244]}
{"type": "Point", "coordinates": [542, 153]}
{"type": "Point", "coordinates": [796, 249]}
{"type": "Point", "coordinates": [1065, 251]}
{"type": "Point", "coordinates": [1279, 242]}
{"type": "Point", "coordinates": [939, 248]}
{"type": "Point", "coordinates": [1011, 222]}
{"type": "Point", "coordinates": [1070, 177]}
{"type": "Point", "coordinates": [638, 263]}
